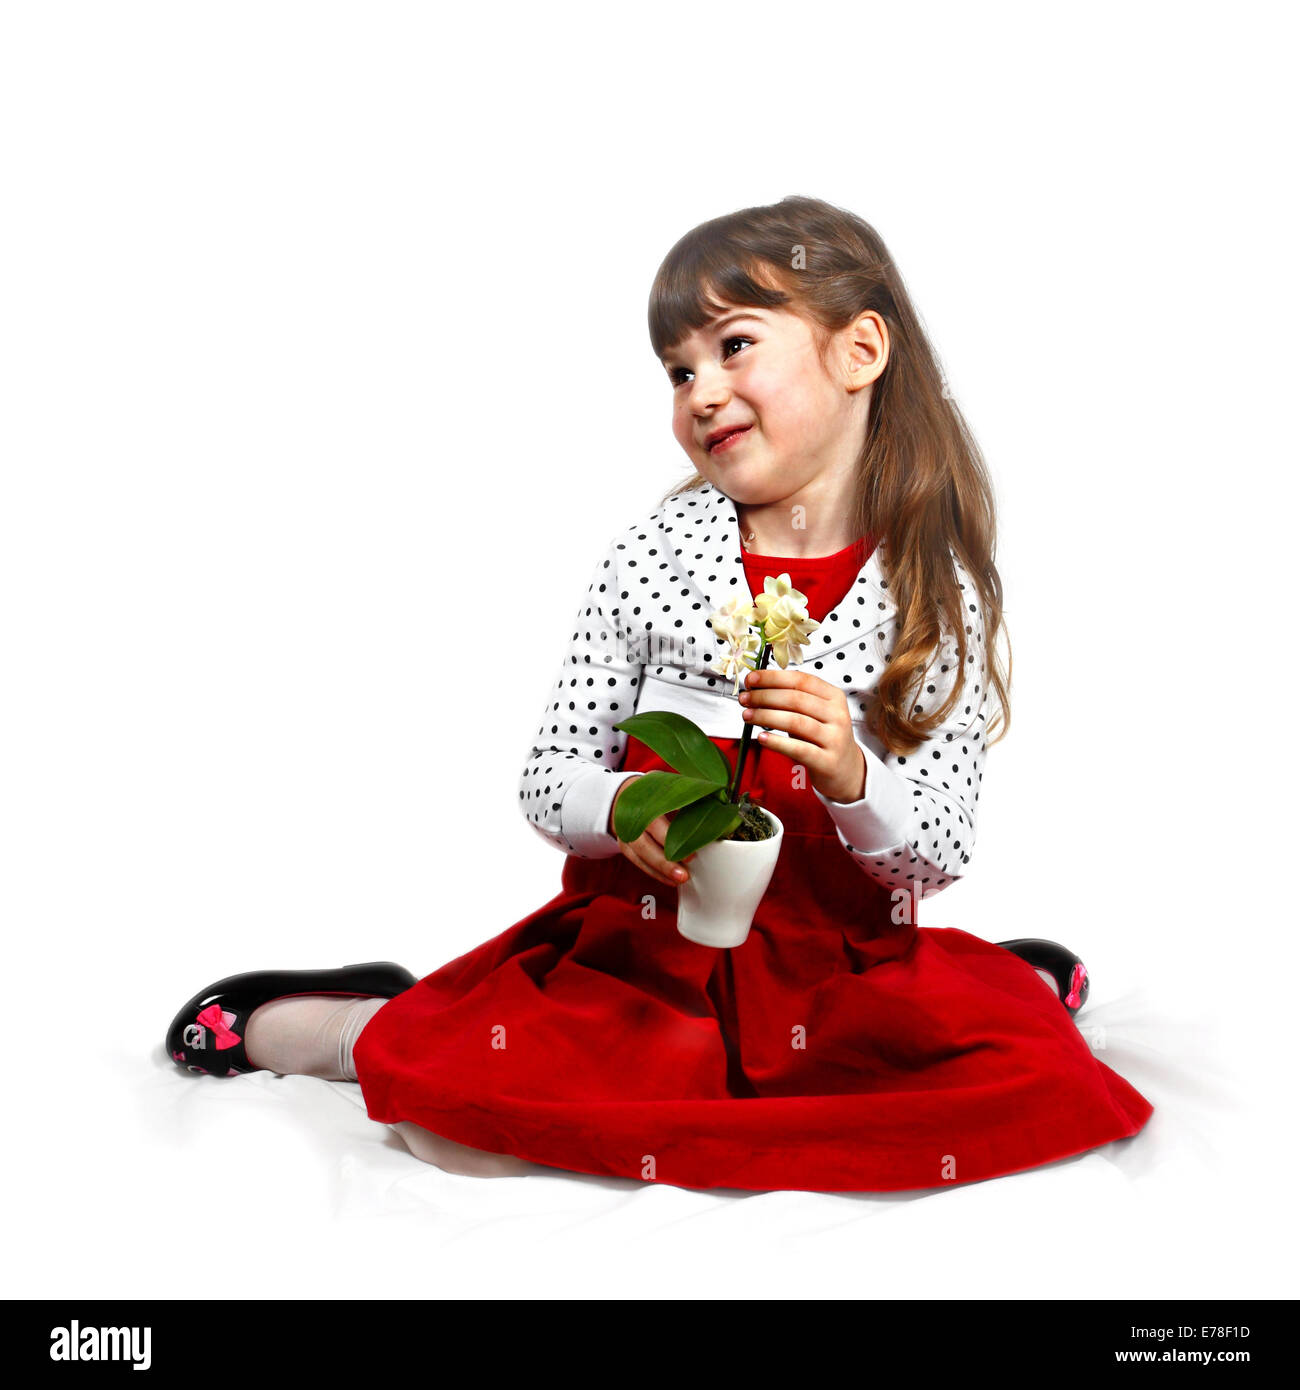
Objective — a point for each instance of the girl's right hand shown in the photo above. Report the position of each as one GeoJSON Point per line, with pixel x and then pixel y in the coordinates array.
{"type": "Point", "coordinates": [647, 851]}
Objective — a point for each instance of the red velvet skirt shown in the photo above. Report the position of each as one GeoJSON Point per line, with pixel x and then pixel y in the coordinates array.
{"type": "Point", "coordinates": [836, 1050]}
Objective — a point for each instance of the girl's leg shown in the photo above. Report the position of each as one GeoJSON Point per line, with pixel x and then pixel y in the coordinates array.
{"type": "Point", "coordinates": [314, 1034]}
{"type": "Point", "coordinates": [309, 1034]}
{"type": "Point", "coordinates": [460, 1158]}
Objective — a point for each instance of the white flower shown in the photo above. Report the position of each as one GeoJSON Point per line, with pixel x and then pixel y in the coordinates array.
{"type": "Point", "coordinates": [780, 613]}
{"type": "Point", "coordinates": [782, 610]}
{"type": "Point", "coordinates": [734, 623]}
{"type": "Point", "coordinates": [733, 620]}
{"type": "Point", "coordinates": [742, 657]}
{"type": "Point", "coordinates": [778, 588]}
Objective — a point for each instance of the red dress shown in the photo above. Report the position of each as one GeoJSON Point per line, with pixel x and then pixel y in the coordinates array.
{"type": "Point", "coordinates": [836, 1050]}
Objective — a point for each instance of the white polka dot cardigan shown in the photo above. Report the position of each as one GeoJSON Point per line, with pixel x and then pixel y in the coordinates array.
{"type": "Point", "coordinates": [643, 643]}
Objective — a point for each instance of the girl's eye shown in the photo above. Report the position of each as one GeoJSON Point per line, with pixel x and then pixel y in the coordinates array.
{"type": "Point", "coordinates": [676, 375]}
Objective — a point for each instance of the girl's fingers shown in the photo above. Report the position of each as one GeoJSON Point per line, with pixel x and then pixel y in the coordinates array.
{"type": "Point", "coordinates": [790, 697]}
{"type": "Point", "coordinates": [653, 849]}
{"type": "Point", "coordinates": [811, 755]}
{"type": "Point", "coordinates": [658, 832]}
{"type": "Point", "coordinates": [648, 868]}
{"type": "Point", "coordinates": [647, 853]}
{"type": "Point", "coordinates": [633, 856]}
{"type": "Point", "coordinates": [806, 726]}
{"type": "Point", "coordinates": [652, 861]}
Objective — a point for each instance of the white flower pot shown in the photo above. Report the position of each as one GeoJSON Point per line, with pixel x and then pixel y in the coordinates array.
{"type": "Point", "coordinates": [716, 905]}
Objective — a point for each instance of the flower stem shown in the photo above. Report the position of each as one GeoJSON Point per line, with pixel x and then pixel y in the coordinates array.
{"type": "Point", "coordinates": [747, 737]}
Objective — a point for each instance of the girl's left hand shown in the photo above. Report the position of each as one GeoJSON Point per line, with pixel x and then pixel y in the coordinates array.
{"type": "Point", "coordinates": [818, 729]}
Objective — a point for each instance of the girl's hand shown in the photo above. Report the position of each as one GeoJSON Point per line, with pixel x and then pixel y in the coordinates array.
{"type": "Point", "coordinates": [818, 730]}
{"type": "Point", "coordinates": [647, 851]}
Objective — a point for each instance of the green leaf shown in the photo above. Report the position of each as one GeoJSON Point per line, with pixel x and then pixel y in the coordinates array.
{"type": "Point", "coordinates": [681, 743]}
{"type": "Point", "coordinates": [699, 824]}
{"type": "Point", "coordinates": [654, 794]}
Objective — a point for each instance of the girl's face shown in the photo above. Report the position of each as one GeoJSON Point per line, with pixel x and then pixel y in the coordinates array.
{"type": "Point", "coordinates": [759, 369]}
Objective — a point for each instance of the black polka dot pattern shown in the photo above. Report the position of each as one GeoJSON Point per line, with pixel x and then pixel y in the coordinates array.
{"type": "Point", "coordinates": [646, 612]}
{"type": "Point", "coordinates": [571, 773]}
{"type": "Point", "coordinates": [924, 823]}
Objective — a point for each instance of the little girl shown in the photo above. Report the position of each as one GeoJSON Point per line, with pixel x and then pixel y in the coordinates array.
{"type": "Point", "coordinates": [843, 1046]}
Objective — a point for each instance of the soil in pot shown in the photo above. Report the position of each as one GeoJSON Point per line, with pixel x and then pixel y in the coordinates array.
{"type": "Point", "coordinates": [754, 824]}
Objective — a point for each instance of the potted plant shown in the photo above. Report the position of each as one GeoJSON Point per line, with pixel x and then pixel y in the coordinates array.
{"type": "Point", "coordinates": [735, 841]}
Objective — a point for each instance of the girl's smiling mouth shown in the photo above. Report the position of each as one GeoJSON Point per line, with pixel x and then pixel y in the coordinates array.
{"type": "Point", "coordinates": [724, 439]}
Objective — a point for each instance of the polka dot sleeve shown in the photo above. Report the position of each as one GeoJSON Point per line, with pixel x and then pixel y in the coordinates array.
{"type": "Point", "coordinates": [569, 779]}
{"type": "Point", "coordinates": [915, 822]}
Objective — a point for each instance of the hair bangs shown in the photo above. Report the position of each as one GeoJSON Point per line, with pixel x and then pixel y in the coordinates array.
{"type": "Point", "coordinates": [706, 273]}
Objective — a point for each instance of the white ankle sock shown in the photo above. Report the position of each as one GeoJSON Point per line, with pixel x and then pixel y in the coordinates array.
{"type": "Point", "coordinates": [361, 1012]}
{"type": "Point", "coordinates": [309, 1034]}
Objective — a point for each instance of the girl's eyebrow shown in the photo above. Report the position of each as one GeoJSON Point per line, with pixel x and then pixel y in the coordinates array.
{"type": "Point", "coordinates": [732, 317]}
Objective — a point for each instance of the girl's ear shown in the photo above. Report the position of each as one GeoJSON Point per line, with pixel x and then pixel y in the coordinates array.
{"type": "Point", "coordinates": [865, 344]}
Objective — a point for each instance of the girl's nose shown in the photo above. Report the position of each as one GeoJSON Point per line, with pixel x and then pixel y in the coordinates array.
{"type": "Point", "coordinates": [709, 391]}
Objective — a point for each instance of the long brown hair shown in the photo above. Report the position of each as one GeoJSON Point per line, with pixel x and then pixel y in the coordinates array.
{"type": "Point", "coordinates": [923, 490]}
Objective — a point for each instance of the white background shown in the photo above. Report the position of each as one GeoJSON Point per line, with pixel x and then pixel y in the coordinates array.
{"type": "Point", "coordinates": [326, 379]}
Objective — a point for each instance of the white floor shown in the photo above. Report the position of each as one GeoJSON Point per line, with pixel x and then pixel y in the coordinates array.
{"type": "Point", "coordinates": [160, 1181]}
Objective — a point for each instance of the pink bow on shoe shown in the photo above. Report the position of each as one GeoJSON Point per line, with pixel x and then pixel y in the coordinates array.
{"type": "Point", "coordinates": [219, 1021]}
{"type": "Point", "coordinates": [1072, 1000]}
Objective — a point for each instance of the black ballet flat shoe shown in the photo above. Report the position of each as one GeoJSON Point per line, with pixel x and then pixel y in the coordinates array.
{"type": "Point", "coordinates": [1063, 966]}
{"type": "Point", "coordinates": [208, 1034]}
